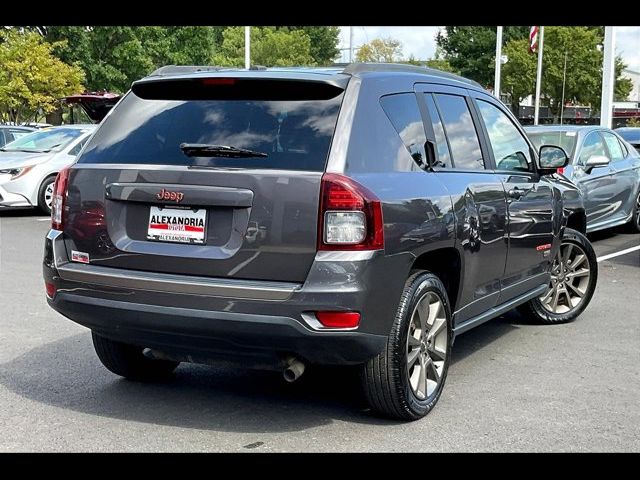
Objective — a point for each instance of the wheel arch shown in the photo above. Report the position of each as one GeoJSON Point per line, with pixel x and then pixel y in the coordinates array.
{"type": "Point", "coordinates": [446, 264]}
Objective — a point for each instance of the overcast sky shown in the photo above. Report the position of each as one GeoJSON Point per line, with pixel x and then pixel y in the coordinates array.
{"type": "Point", "coordinates": [420, 41]}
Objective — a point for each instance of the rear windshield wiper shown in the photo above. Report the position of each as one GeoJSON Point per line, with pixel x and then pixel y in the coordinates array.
{"type": "Point", "coordinates": [207, 150]}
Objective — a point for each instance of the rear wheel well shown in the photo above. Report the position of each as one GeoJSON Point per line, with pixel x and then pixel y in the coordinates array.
{"type": "Point", "coordinates": [578, 221]}
{"type": "Point", "coordinates": [445, 264]}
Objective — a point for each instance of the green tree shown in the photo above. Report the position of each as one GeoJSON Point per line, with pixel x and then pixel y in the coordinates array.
{"type": "Point", "coordinates": [324, 43]}
{"type": "Point", "coordinates": [380, 50]}
{"type": "Point", "coordinates": [519, 73]}
{"type": "Point", "coordinates": [583, 82]}
{"type": "Point", "coordinates": [32, 79]}
{"type": "Point", "coordinates": [114, 57]}
{"type": "Point", "coordinates": [269, 47]}
{"type": "Point", "coordinates": [471, 50]}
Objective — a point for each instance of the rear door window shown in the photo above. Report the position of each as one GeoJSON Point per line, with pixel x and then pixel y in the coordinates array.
{"type": "Point", "coordinates": [615, 150]}
{"type": "Point", "coordinates": [460, 131]}
{"type": "Point", "coordinates": [295, 134]}
{"type": "Point", "coordinates": [444, 157]}
{"type": "Point", "coordinates": [402, 110]}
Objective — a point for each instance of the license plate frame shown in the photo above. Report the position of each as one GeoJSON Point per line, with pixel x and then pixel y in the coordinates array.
{"type": "Point", "coordinates": [165, 225]}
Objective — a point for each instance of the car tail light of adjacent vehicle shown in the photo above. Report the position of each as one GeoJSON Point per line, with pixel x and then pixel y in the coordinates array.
{"type": "Point", "coordinates": [350, 216]}
{"type": "Point", "coordinates": [59, 198]}
{"type": "Point", "coordinates": [50, 289]}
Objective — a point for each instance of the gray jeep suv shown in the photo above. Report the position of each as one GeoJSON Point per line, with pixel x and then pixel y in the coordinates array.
{"type": "Point", "coordinates": [283, 218]}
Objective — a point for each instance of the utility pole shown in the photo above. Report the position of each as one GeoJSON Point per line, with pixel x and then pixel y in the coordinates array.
{"type": "Point", "coordinates": [496, 84]}
{"type": "Point", "coordinates": [247, 47]}
{"type": "Point", "coordinates": [608, 77]}
{"type": "Point", "coordinates": [536, 113]}
{"type": "Point", "coordinates": [564, 79]}
{"type": "Point", "coordinates": [350, 44]}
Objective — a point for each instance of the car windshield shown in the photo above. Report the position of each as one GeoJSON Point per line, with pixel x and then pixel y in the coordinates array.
{"type": "Point", "coordinates": [561, 138]}
{"type": "Point", "coordinates": [44, 140]}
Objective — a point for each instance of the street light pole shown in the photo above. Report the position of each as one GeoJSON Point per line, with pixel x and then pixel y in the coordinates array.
{"type": "Point", "coordinates": [350, 44]}
{"type": "Point", "coordinates": [536, 112]}
{"type": "Point", "coordinates": [608, 77]}
{"type": "Point", "coordinates": [564, 79]}
{"type": "Point", "coordinates": [247, 47]}
{"type": "Point", "coordinates": [496, 84]}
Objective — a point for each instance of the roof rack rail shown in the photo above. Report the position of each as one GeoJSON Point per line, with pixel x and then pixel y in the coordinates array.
{"type": "Point", "coordinates": [179, 69]}
{"type": "Point", "coordinates": [364, 67]}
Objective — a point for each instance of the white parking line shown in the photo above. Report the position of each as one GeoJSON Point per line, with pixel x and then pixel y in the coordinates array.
{"type": "Point", "coordinates": [617, 254]}
{"type": "Point", "coordinates": [47, 219]}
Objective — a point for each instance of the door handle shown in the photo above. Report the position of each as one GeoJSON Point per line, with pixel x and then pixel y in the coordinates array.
{"type": "Point", "coordinates": [516, 193]}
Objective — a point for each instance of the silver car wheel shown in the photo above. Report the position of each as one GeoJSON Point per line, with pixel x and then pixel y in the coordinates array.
{"type": "Point", "coordinates": [48, 195]}
{"type": "Point", "coordinates": [570, 274]}
{"type": "Point", "coordinates": [427, 344]}
{"type": "Point", "coordinates": [638, 210]}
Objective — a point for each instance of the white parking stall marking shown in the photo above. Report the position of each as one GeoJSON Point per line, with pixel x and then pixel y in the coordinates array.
{"type": "Point", "coordinates": [617, 254]}
{"type": "Point", "coordinates": [47, 219]}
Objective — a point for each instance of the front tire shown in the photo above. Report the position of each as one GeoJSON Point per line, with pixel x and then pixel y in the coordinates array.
{"type": "Point", "coordinates": [45, 194]}
{"type": "Point", "coordinates": [574, 274]}
{"type": "Point", "coordinates": [406, 379]}
{"type": "Point", "coordinates": [129, 362]}
{"type": "Point", "coordinates": [634, 224]}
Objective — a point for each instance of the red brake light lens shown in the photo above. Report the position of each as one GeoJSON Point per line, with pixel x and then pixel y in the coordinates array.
{"type": "Point", "coordinates": [218, 81]}
{"type": "Point", "coordinates": [339, 319]}
{"type": "Point", "coordinates": [59, 198]}
{"type": "Point", "coordinates": [350, 216]}
{"type": "Point", "coordinates": [560, 170]}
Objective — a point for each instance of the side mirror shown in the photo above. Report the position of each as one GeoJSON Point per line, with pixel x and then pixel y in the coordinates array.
{"type": "Point", "coordinates": [597, 161]}
{"type": "Point", "coordinates": [552, 157]}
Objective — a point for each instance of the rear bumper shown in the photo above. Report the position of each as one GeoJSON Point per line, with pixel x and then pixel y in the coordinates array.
{"type": "Point", "coordinates": [233, 318]}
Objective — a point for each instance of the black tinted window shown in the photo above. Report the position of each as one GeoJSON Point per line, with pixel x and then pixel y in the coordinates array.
{"type": "Point", "coordinates": [461, 132]}
{"type": "Point", "coordinates": [295, 134]}
{"type": "Point", "coordinates": [402, 110]}
{"type": "Point", "coordinates": [444, 158]}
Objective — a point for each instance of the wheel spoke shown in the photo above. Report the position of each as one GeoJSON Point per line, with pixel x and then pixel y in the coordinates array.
{"type": "Point", "coordinates": [423, 315]}
{"type": "Point", "coordinates": [578, 261]}
{"type": "Point", "coordinates": [567, 254]}
{"type": "Point", "coordinates": [432, 366]}
{"type": "Point", "coordinates": [413, 341]}
{"type": "Point", "coordinates": [580, 273]}
{"type": "Point", "coordinates": [434, 312]}
{"type": "Point", "coordinates": [547, 296]}
{"type": "Point", "coordinates": [422, 378]}
{"type": "Point", "coordinates": [554, 300]}
{"type": "Point", "coordinates": [438, 325]}
{"type": "Point", "coordinates": [435, 352]}
{"type": "Point", "coordinates": [412, 357]}
{"type": "Point", "coordinates": [577, 291]}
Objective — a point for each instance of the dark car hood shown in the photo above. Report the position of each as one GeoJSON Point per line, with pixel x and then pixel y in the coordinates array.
{"type": "Point", "coordinates": [95, 105]}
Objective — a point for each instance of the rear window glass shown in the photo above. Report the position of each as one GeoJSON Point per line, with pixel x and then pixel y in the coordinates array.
{"type": "Point", "coordinates": [295, 134]}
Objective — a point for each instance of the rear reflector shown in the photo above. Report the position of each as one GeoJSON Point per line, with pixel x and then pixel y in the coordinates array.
{"type": "Point", "coordinates": [50, 288]}
{"type": "Point", "coordinates": [338, 319]}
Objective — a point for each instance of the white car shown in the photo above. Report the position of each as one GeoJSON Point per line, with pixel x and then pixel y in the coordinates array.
{"type": "Point", "coordinates": [29, 165]}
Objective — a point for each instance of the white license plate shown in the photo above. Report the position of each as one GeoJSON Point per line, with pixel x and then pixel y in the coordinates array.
{"type": "Point", "coordinates": [177, 225]}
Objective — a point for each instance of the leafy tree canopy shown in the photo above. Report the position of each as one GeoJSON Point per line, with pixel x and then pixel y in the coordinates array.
{"type": "Point", "coordinates": [32, 79]}
{"type": "Point", "coordinates": [380, 50]}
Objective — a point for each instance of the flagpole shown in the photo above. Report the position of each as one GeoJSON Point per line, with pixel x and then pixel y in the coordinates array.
{"type": "Point", "coordinates": [247, 47]}
{"type": "Point", "coordinates": [608, 77]}
{"type": "Point", "coordinates": [536, 113]}
{"type": "Point", "coordinates": [496, 84]}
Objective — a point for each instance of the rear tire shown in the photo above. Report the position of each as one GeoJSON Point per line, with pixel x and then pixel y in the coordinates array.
{"type": "Point", "coordinates": [45, 194]}
{"type": "Point", "coordinates": [129, 362]}
{"type": "Point", "coordinates": [394, 383]}
{"type": "Point", "coordinates": [575, 275]}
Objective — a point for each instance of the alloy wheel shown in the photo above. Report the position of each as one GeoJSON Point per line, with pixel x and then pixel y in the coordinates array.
{"type": "Point", "coordinates": [427, 344]}
{"type": "Point", "coordinates": [48, 195]}
{"type": "Point", "coordinates": [570, 274]}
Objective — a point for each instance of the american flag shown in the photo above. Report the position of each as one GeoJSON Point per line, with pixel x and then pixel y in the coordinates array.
{"type": "Point", "coordinates": [533, 39]}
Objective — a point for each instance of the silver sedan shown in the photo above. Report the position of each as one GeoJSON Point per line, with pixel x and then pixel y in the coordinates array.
{"type": "Point", "coordinates": [29, 165]}
{"type": "Point", "coordinates": [603, 166]}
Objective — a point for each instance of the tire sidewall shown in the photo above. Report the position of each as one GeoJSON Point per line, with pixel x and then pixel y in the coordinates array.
{"type": "Point", "coordinates": [576, 238]}
{"type": "Point", "coordinates": [41, 202]}
{"type": "Point", "coordinates": [421, 284]}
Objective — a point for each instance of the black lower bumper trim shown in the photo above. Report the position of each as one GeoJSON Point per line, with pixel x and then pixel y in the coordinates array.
{"type": "Point", "coordinates": [214, 332]}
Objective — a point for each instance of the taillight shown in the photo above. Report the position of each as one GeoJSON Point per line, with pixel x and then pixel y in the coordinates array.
{"type": "Point", "coordinates": [560, 170]}
{"type": "Point", "coordinates": [59, 198]}
{"type": "Point", "coordinates": [350, 216]}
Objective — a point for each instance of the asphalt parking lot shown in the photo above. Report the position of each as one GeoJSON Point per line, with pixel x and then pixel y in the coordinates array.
{"type": "Point", "coordinates": [512, 386]}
